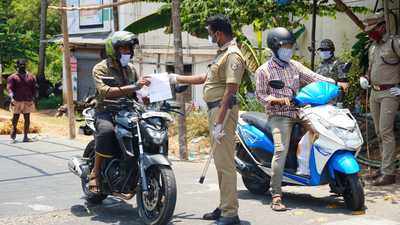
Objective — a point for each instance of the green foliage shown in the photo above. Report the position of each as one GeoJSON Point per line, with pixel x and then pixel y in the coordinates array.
{"type": "Point", "coordinates": [19, 30]}
{"type": "Point", "coordinates": [353, 76]}
{"type": "Point", "coordinates": [265, 13]}
{"type": "Point", "coordinates": [54, 66]}
{"type": "Point", "coordinates": [248, 102]}
{"type": "Point", "coordinates": [160, 19]}
{"type": "Point", "coordinates": [52, 102]}
{"type": "Point", "coordinates": [360, 50]}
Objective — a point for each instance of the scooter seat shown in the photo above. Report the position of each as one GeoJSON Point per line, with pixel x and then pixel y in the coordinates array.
{"type": "Point", "coordinates": [258, 120]}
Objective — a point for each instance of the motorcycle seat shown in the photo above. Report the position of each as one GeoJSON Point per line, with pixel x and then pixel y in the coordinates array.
{"type": "Point", "coordinates": [259, 120]}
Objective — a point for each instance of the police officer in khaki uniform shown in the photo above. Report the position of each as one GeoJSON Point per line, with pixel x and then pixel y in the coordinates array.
{"type": "Point", "coordinates": [384, 76]}
{"type": "Point", "coordinates": [221, 84]}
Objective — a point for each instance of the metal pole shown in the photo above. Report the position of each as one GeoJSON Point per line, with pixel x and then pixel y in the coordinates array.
{"type": "Point", "coordinates": [314, 24]}
{"type": "Point", "coordinates": [67, 57]}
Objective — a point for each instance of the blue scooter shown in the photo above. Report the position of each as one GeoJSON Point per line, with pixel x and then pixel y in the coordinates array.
{"type": "Point", "coordinates": [332, 160]}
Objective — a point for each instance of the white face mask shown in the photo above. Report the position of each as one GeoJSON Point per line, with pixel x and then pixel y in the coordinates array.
{"type": "Point", "coordinates": [285, 54]}
{"type": "Point", "coordinates": [125, 59]}
{"type": "Point", "coordinates": [325, 54]}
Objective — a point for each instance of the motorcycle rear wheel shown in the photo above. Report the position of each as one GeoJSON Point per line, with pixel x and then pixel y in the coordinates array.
{"type": "Point", "coordinates": [90, 196]}
{"type": "Point", "coordinates": [158, 205]}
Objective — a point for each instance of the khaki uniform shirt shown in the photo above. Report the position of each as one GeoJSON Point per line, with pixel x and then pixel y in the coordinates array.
{"type": "Point", "coordinates": [384, 63]}
{"type": "Point", "coordinates": [228, 67]}
{"type": "Point", "coordinates": [106, 75]}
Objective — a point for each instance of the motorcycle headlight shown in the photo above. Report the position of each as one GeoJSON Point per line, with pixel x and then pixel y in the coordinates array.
{"type": "Point", "coordinates": [157, 136]}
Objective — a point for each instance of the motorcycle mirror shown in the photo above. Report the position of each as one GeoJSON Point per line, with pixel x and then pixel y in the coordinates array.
{"type": "Point", "coordinates": [181, 88]}
{"type": "Point", "coordinates": [276, 84]}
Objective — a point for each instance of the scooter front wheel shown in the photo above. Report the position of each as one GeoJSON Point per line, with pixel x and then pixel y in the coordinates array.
{"type": "Point", "coordinates": [354, 192]}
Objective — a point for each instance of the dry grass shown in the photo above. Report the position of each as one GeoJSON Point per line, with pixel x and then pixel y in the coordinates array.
{"type": "Point", "coordinates": [6, 127]}
{"type": "Point", "coordinates": [48, 124]}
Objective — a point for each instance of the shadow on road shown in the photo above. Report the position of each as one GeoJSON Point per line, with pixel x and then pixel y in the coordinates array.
{"type": "Point", "coordinates": [116, 211]}
{"type": "Point", "coordinates": [328, 205]}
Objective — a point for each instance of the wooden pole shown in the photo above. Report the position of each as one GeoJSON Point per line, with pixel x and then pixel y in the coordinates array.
{"type": "Point", "coordinates": [67, 63]}
{"type": "Point", "coordinates": [314, 25]}
{"type": "Point", "coordinates": [42, 44]}
{"type": "Point", "coordinates": [177, 30]}
{"type": "Point", "coordinates": [349, 13]}
{"type": "Point", "coordinates": [115, 16]}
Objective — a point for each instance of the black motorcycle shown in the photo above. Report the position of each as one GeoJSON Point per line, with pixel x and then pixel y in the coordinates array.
{"type": "Point", "coordinates": [141, 168]}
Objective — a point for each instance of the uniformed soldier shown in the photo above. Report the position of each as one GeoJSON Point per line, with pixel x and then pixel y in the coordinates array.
{"type": "Point", "coordinates": [115, 77]}
{"type": "Point", "coordinates": [384, 76]}
{"type": "Point", "coordinates": [221, 84]}
{"type": "Point", "coordinates": [330, 65]}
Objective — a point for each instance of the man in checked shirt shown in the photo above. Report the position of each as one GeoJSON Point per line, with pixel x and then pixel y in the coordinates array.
{"type": "Point", "coordinates": [281, 114]}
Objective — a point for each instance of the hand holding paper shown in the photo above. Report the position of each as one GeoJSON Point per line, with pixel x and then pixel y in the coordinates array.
{"type": "Point", "coordinates": [159, 89]}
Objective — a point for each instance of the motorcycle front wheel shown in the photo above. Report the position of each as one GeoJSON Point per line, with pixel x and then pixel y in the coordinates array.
{"type": "Point", "coordinates": [156, 207]}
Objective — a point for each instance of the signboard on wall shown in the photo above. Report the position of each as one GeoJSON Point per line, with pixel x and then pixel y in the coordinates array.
{"type": "Point", "coordinates": [90, 18]}
{"type": "Point", "coordinates": [74, 73]}
{"type": "Point", "coordinates": [92, 21]}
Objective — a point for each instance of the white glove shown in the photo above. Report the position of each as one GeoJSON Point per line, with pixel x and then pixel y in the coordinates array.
{"type": "Point", "coordinates": [364, 83]}
{"type": "Point", "coordinates": [395, 91]}
{"type": "Point", "coordinates": [172, 78]}
{"type": "Point", "coordinates": [218, 133]}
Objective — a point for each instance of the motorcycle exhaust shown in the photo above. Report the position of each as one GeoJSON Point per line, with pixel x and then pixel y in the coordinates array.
{"type": "Point", "coordinates": [78, 167]}
{"type": "Point", "coordinates": [124, 196]}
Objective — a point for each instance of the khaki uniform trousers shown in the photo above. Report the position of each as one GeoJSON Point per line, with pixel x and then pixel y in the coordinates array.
{"type": "Point", "coordinates": [224, 159]}
{"type": "Point", "coordinates": [384, 108]}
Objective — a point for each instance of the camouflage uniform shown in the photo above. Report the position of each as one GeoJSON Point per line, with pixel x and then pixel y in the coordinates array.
{"type": "Point", "coordinates": [331, 68]}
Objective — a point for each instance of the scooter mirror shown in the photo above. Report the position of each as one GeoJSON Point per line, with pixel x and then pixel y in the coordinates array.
{"type": "Point", "coordinates": [181, 88]}
{"type": "Point", "coordinates": [276, 84]}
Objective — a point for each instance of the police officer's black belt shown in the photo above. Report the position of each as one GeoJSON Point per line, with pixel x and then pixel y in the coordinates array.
{"type": "Point", "coordinates": [217, 103]}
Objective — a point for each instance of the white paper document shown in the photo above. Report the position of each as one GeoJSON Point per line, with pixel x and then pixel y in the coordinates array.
{"type": "Point", "coordinates": [159, 89]}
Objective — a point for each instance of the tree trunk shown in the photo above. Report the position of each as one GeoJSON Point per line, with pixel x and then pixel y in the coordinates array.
{"type": "Point", "coordinates": [176, 23]}
{"type": "Point", "coordinates": [42, 45]}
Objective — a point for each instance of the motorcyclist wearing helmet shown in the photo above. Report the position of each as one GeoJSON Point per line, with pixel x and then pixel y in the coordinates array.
{"type": "Point", "coordinates": [115, 77]}
{"type": "Point", "coordinates": [330, 66]}
{"type": "Point", "coordinates": [281, 114]}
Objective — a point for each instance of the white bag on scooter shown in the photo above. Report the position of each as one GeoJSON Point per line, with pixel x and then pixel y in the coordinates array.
{"type": "Point", "coordinates": [303, 154]}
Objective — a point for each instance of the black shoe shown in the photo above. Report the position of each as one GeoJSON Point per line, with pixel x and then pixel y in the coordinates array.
{"type": "Point", "coordinates": [374, 175]}
{"type": "Point", "coordinates": [384, 180]}
{"type": "Point", "coordinates": [214, 215]}
{"type": "Point", "coordinates": [13, 134]}
{"type": "Point", "coordinates": [228, 220]}
{"type": "Point", "coordinates": [26, 139]}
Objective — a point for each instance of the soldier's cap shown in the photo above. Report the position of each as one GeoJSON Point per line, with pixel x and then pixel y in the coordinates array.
{"type": "Point", "coordinates": [374, 20]}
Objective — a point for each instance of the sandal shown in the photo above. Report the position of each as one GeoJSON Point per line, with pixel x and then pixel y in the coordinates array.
{"type": "Point", "coordinates": [94, 184]}
{"type": "Point", "coordinates": [277, 204]}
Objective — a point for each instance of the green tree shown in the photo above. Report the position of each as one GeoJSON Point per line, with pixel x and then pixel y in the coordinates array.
{"type": "Point", "coordinates": [19, 30]}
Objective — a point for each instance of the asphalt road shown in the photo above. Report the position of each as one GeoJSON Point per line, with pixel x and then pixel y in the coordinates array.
{"type": "Point", "coordinates": [36, 188]}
